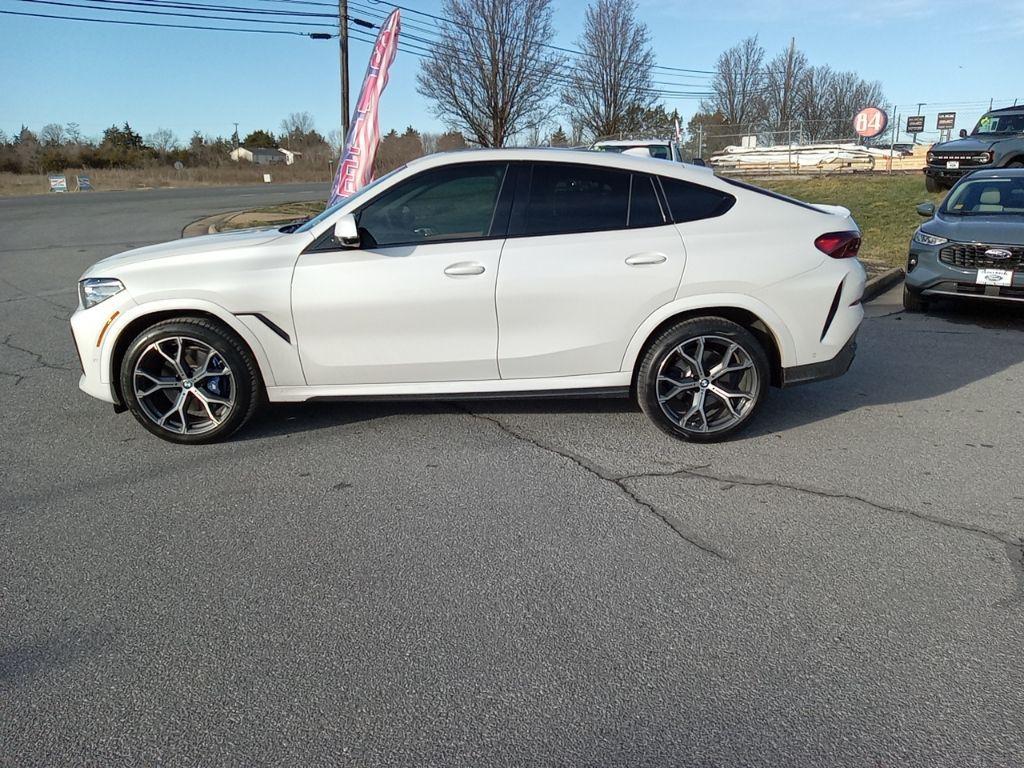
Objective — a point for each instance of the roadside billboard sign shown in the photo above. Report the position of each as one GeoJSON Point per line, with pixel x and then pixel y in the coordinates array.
{"type": "Point", "coordinates": [915, 124]}
{"type": "Point", "coordinates": [58, 183]}
{"type": "Point", "coordinates": [84, 183]}
{"type": "Point", "coordinates": [946, 121]}
{"type": "Point", "coordinates": [870, 122]}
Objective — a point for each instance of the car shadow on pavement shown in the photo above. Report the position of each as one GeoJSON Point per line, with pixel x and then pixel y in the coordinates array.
{"type": "Point", "coordinates": [904, 357]}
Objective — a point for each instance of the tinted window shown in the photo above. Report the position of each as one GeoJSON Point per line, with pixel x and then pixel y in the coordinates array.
{"type": "Point", "coordinates": [644, 209]}
{"type": "Point", "coordinates": [453, 203]}
{"type": "Point", "coordinates": [575, 198]}
{"type": "Point", "coordinates": [690, 202]}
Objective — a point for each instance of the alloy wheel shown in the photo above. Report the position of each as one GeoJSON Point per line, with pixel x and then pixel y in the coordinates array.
{"type": "Point", "coordinates": [184, 385]}
{"type": "Point", "coordinates": [707, 384]}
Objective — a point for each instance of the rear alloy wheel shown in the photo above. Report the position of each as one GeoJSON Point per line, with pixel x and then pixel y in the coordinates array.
{"type": "Point", "coordinates": [703, 379]}
{"type": "Point", "coordinates": [189, 381]}
{"type": "Point", "coordinates": [914, 302]}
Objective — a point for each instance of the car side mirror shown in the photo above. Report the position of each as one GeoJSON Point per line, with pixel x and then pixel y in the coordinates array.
{"type": "Point", "coordinates": [346, 232]}
{"type": "Point", "coordinates": [963, 133]}
{"type": "Point", "coordinates": [926, 209]}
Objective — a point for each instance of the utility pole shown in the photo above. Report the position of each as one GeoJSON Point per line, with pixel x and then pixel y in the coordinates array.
{"type": "Point", "coordinates": [343, 56]}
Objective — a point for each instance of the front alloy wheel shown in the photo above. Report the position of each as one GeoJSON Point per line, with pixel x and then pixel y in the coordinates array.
{"type": "Point", "coordinates": [703, 379]}
{"type": "Point", "coordinates": [189, 381]}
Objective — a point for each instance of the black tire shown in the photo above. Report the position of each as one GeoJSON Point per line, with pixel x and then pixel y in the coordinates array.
{"type": "Point", "coordinates": [932, 185]}
{"type": "Point", "coordinates": [914, 302]}
{"type": "Point", "coordinates": [235, 377]}
{"type": "Point", "coordinates": [663, 357]}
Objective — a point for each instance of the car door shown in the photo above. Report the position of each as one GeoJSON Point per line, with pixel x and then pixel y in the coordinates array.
{"type": "Point", "coordinates": [415, 301]}
{"type": "Point", "coordinates": [590, 256]}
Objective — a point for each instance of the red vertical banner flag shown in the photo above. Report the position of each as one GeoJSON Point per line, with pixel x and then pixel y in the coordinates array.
{"type": "Point", "coordinates": [355, 168]}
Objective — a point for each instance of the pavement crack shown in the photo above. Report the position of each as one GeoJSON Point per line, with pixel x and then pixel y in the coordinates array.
{"type": "Point", "coordinates": [1014, 546]}
{"type": "Point", "coordinates": [598, 472]}
{"type": "Point", "coordinates": [38, 361]}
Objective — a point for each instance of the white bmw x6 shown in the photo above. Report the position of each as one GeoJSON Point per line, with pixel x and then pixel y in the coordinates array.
{"type": "Point", "coordinates": [494, 273]}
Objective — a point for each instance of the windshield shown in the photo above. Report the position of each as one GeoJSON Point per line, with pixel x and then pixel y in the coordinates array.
{"type": "Point", "coordinates": [1000, 123]}
{"type": "Point", "coordinates": [987, 197]}
{"type": "Point", "coordinates": [328, 212]}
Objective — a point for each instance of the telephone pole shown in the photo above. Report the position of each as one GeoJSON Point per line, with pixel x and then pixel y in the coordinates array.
{"type": "Point", "coordinates": [343, 56]}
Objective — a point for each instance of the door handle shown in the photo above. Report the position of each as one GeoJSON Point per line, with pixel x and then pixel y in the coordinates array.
{"type": "Point", "coordinates": [639, 259]}
{"type": "Point", "coordinates": [463, 268]}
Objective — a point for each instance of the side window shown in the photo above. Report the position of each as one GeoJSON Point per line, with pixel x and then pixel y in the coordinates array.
{"type": "Point", "coordinates": [452, 203]}
{"type": "Point", "coordinates": [690, 202]}
{"type": "Point", "coordinates": [575, 198]}
{"type": "Point", "coordinates": [644, 208]}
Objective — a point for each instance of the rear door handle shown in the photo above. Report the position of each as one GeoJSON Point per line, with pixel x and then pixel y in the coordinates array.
{"type": "Point", "coordinates": [651, 257]}
{"type": "Point", "coordinates": [464, 268]}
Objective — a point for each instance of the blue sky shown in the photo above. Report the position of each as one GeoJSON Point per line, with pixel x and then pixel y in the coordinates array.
{"type": "Point", "coordinates": [62, 71]}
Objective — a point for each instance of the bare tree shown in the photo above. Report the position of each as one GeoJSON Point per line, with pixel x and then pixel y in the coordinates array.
{"type": "Point", "coordinates": [296, 127]}
{"type": "Point", "coordinates": [52, 135]}
{"type": "Point", "coordinates": [490, 73]}
{"type": "Point", "coordinates": [612, 82]}
{"type": "Point", "coordinates": [736, 84]}
{"type": "Point", "coordinates": [782, 78]}
{"type": "Point", "coordinates": [162, 140]}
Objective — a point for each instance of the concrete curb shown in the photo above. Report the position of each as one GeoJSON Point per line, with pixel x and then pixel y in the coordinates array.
{"type": "Point", "coordinates": [879, 284]}
{"type": "Point", "coordinates": [208, 225]}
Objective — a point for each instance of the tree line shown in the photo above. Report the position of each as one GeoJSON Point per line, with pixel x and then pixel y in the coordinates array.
{"type": "Point", "coordinates": [57, 147]}
{"type": "Point", "coordinates": [781, 99]}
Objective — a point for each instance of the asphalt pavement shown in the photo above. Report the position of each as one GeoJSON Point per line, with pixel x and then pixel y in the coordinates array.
{"type": "Point", "coordinates": [540, 583]}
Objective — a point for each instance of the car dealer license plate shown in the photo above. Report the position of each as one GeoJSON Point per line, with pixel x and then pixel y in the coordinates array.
{"type": "Point", "coordinates": [953, 164]}
{"type": "Point", "coordinates": [995, 276]}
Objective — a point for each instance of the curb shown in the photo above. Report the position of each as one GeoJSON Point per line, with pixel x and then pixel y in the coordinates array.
{"type": "Point", "coordinates": [879, 284]}
{"type": "Point", "coordinates": [208, 225]}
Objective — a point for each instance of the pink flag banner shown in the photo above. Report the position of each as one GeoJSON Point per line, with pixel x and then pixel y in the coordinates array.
{"type": "Point", "coordinates": [355, 168]}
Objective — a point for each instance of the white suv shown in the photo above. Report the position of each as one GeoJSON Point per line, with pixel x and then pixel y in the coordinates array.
{"type": "Point", "coordinates": [496, 273]}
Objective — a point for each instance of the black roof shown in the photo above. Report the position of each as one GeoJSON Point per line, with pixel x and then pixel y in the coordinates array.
{"type": "Point", "coordinates": [1015, 108]}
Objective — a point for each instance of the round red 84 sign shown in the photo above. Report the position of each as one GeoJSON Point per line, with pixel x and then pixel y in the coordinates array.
{"type": "Point", "coordinates": [870, 122]}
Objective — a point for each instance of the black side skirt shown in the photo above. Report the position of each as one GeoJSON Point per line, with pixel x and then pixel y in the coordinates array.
{"type": "Point", "coordinates": [586, 392]}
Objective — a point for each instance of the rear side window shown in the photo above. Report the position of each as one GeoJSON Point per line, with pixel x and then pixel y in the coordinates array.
{"type": "Point", "coordinates": [644, 208]}
{"type": "Point", "coordinates": [574, 198]}
{"type": "Point", "coordinates": [691, 202]}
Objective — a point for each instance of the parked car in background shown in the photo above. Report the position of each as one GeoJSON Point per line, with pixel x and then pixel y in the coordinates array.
{"type": "Point", "coordinates": [662, 149]}
{"type": "Point", "coordinates": [972, 245]}
{"type": "Point", "coordinates": [486, 274]}
{"type": "Point", "coordinates": [997, 141]}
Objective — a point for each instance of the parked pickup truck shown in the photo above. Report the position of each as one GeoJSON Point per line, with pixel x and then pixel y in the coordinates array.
{"type": "Point", "coordinates": [997, 141]}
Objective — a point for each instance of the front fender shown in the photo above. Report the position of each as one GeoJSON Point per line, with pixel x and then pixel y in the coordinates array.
{"type": "Point", "coordinates": [709, 303]}
{"type": "Point", "coordinates": [136, 311]}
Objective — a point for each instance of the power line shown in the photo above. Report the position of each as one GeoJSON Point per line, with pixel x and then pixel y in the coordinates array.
{"type": "Point", "coordinates": [155, 24]}
{"type": "Point", "coordinates": [172, 13]}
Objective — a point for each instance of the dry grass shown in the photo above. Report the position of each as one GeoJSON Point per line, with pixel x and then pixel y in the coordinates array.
{"type": "Point", "coordinates": [18, 184]}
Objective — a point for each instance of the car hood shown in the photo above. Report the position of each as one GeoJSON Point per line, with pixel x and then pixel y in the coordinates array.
{"type": "Point", "coordinates": [188, 246]}
{"type": "Point", "coordinates": [996, 230]}
{"type": "Point", "coordinates": [970, 144]}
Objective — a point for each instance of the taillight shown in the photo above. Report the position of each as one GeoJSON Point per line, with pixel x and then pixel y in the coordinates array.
{"type": "Point", "coordinates": [839, 245]}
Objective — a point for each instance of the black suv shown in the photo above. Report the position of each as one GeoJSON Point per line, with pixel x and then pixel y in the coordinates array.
{"type": "Point", "coordinates": [997, 141]}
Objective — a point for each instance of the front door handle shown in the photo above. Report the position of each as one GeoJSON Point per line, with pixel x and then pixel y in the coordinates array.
{"type": "Point", "coordinates": [463, 268]}
{"type": "Point", "coordinates": [650, 257]}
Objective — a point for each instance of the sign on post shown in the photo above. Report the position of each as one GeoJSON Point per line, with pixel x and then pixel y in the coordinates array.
{"type": "Point", "coordinates": [915, 124]}
{"type": "Point", "coordinates": [946, 121]}
{"type": "Point", "coordinates": [58, 183]}
{"type": "Point", "coordinates": [870, 122]}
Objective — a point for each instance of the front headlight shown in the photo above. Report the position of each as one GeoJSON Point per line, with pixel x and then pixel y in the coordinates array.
{"type": "Point", "coordinates": [925, 239]}
{"type": "Point", "coordinates": [93, 290]}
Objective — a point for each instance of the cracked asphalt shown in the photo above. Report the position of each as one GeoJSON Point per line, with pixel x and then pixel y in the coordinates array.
{"type": "Point", "coordinates": [539, 583]}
